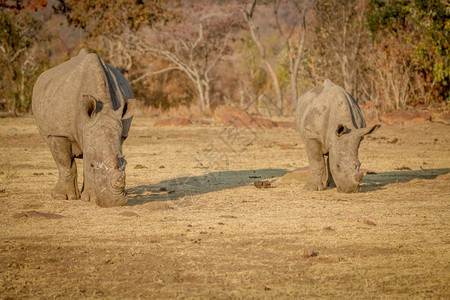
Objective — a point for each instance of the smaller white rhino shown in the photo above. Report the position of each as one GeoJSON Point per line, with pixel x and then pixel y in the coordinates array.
{"type": "Point", "coordinates": [332, 126]}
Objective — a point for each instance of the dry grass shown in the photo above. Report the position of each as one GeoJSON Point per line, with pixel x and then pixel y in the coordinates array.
{"type": "Point", "coordinates": [196, 227]}
{"type": "Point", "coordinates": [7, 169]}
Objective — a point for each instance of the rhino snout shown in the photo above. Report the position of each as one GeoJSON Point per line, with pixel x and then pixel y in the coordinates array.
{"type": "Point", "coordinates": [359, 176]}
{"type": "Point", "coordinates": [112, 192]}
{"type": "Point", "coordinates": [351, 189]}
{"type": "Point", "coordinates": [114, 200]}
{"type": "Point", "coordinates": [118, 182]}
{"type": "Point", "coordinates": [352, 185]}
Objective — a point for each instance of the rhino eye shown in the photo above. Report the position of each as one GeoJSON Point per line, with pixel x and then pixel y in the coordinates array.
{"type": "Point", "coordinates": [341, 129]}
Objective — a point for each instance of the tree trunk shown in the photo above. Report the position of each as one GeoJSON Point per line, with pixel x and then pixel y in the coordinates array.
{"type": "Point", "coordinates": [294, 72]}
{"type": "Point", "coordinates": [22, 87]}
{"type": "Point", "coordinates": [201, 98]}
{"type": "Point", "coordinates": [294, 90]}
{"type": "Point", "coordinates": [276, 86]}
{"type": "Point", "coordinates": [203, 90]}
{"type": "Point", "coordinates": [241, 96]}
{"type": "Point", "coordinates": [256, 39]}
{"type": "Point", "coordinates": [206, 96]}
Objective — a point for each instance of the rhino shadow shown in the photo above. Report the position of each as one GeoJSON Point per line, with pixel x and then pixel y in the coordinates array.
{"type": "Point", "coordinates": [374, 182]}
{"type": "Point", "coordinates": [174, 189]}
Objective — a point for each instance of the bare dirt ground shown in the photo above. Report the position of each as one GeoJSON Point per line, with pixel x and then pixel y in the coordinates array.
{"type": "Point", "coordinates": [196, 227]}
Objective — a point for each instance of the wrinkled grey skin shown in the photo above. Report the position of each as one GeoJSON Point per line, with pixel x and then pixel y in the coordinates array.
{"type": "Point", "coordinates": [83, 109]}
{"type": "Point", "coordinates": [332, 126]}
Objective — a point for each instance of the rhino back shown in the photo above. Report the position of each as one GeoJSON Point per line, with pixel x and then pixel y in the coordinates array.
{"type": "Point", "coordinates": [320, 110]}
{"type": "Point", "coordinates": [58, 91]}
{"type": "Point", "coordinates": [52, 103]}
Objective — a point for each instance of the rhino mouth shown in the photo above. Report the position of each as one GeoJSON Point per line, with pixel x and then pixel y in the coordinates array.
{"type": "Point", "coordinates": [115, 195]}
{"type": "Point", "coordinates": [116, 184]}
{"type": "Point", "coordinates": [352, 189]}
{"type": "Point", "coordinates": [116, 188]}
{"type": "Point", "coordinates": [118, 199]}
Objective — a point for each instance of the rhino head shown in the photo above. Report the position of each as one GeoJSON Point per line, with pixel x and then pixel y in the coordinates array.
{"type": "Point", "coordinates": [103, 163]}
{"type": "Point", "coordinates": [343, 157]}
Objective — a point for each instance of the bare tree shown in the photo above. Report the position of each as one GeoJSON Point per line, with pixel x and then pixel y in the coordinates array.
{"type": "Point", "coordinates": [340, 36]}
{"type": "Point", "coordinates": [195, 51]}
{"type": "Point", "coordinates": [254, 32]}
{"type": "Point", "coordinates": [194, 43]}
{"type": "Point", "coordinates": [391, 70]}
{"type": "Point", "coordinates": [118, 53]}
{"type": "Point", "coordinates": [293, 40]}
{"type": "Point", "coordinates": [19, 35]}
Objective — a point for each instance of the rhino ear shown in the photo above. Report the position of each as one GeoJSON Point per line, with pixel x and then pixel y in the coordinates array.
{"type": "Point", "coordinates": [128, 109]}
{"type": "Point", "coordinates": [368, 130]}
{"type": "Point", "coordinates": [88, 105]}
{"type": "Point", "coordinates": [341, 129]}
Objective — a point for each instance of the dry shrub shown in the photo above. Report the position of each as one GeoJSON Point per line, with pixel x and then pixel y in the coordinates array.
{"type": "Point", "coordinates": [164, 90]}
{"type": "Point", "coordinates": [390, 75]}
{"type": "Point", "coordinates": [182, 111]}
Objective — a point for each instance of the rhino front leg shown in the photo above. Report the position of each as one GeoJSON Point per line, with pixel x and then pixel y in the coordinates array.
{"type": "Point", "coordinates": [317, 169]}
{"type": "Point", "coordinates": [328, 180]}
{"type": "Point", "coordinates": [87, 193]}
{"type": "Point", "coordinates": [66, 188]}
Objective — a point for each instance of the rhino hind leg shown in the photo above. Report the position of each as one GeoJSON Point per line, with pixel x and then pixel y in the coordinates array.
{"type": "Point", "coordinates": [317, 167]}
{"type": "Point", "coordinates": [66, 188]}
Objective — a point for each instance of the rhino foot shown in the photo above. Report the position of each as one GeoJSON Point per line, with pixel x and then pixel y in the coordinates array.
{"type": "Point", "coordinates": [65, 191]}
{"type": "Point", "coordinates": [311, 186]}
{"type": "Point", "coordinates": [122, 200]}
{"type": "Point", "coordinates": [86, 196]}
{"type": "Point", "coordinates": [106, 201]}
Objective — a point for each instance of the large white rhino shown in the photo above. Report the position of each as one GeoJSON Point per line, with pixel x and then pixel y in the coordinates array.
{"type": "Point", "coordinates": [83, 109]}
